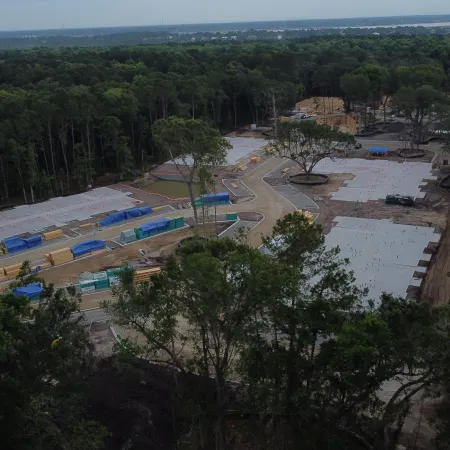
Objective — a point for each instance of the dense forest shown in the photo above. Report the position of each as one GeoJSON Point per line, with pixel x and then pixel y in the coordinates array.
{"type": "Point", "coordinates": [70, 115]}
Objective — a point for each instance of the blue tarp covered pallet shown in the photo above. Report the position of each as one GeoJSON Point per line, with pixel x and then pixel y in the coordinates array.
{"type": "Point", "coordinates": [86, 247]}
{"type": "Point", "coordinates": [156, 226]}
{"type": "Point", "coordinates": [131, 213]}
{"type": "Point", "coordinates": [31, 291]}
{"type": "Point", "coordinates": [113, 218]}
{"type": "Point", "coordinates": [379, 150]}
{"type": "Point", "coordinates": [126, 214]}
{"type": "Point", "coordinates": [33, 241]}
{"type": "Point", "coordinates": [144, 210]}
{"type": "Point", "coordinates": [15, 244]}
{"type": "Point", "coordinates": [218, 197]}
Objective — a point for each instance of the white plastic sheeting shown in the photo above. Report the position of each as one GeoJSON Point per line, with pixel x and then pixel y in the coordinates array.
{"type": "Point", "coordinates": [374, 179]}
{"type": "Point", "coordinates": [61, 210]}
{"type": "Point", "coordinates": [242, 147]}
{"type": "Point", "coordinates": [383, 255]}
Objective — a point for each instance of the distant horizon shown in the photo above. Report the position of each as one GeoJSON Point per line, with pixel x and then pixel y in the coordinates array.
{"type": "Point", "coordinates": [163, 25]}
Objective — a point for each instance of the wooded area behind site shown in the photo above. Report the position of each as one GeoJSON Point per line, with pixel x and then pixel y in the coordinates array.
{"type": "Point", "coordinates": [71, 115]}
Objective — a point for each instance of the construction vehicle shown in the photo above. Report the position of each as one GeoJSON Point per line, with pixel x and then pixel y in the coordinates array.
{"type": "Point", "coordinates": [404, 200]}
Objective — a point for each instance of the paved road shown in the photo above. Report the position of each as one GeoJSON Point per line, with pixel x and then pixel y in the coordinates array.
{"type": "Point", "coordinates": [233, 231]}
{"type": "Point", "coordinates": [297, 198]}
{"type": "Point", "coordinates": [94, 315]}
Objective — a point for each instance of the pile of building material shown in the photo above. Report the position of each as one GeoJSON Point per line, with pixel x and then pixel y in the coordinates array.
{"type": "Point", "coordinates": [320, 105]}
{"type": "Point", "coordinates": [3, 276]}
{"type": "Point", "coordinates": [60, 256]}
{"type": "Point", "coordinates": [90, 247]}
{"type": "Point", "coordinates": [231, 216]}
{"type": "Point", "coordinates": [219, 198]}
{"type": "Point", "coordinates": [142, 276]}
{"type": "Point", "coordinates": [11, 272]}
{"type": "Point", "coordinates": [127, 236]}
{"type": "Point", "coordinates": [53, 235]}
{"type": "Point", "coordinates": [87, 285]}
{"type": "Point", "coordinates": [346, 122]}
{"type": "Point", "coordinates": [101, 280]}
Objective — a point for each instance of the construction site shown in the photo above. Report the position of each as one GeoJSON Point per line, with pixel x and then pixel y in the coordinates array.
{"type": "Point", "coordinates": [84, 239]}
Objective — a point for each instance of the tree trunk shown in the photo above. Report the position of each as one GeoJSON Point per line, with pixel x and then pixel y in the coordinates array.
{"type": "Point", "coordinates": [23, 184]}
{"type": "Point", "coordinates": [51, 154]}
{"type": "Point", "coordinates": [63, 148]}
{"type": "Point", "coordinates": [5, 182]}
{"type": "Point", "coordinates": [191, 195]}
{"type": "Point", "coordinates": [132, 141]}
{"type": "Point", "coordinates": [89, 153]}
{"type": "Point", "coordinates": [275, 121]}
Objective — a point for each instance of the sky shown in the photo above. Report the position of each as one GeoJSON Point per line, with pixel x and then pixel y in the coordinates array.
{"type": "Point", "coordinates": [46, 14]}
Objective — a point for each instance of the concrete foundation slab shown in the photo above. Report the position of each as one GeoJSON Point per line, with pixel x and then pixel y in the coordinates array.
{"type": "Point", "coordinates": [374, 179]}
{"type": "Point", "coordinates": [61, 210]}
{"type": "Point", "coordinates": [242, 147]}
{"type": "Point", "coordinates": [383, 255]}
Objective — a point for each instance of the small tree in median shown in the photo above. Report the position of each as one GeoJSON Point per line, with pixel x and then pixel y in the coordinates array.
{"type": "Point", "coordinates": [307, 142]}
{"type": "Point", "coordinates": [192, 143]}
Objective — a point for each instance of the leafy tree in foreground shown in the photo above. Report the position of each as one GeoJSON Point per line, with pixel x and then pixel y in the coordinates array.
{"type": "Point", "coordinates": [44, 363]}
{"type": "Point", "coordinates": [193, 143]}
{"type": "Point", "coordinates": [318, 370]}
{"type": "Point", "coordinates": [195, 315]}
{"type": "Point", "coordinates": [307, 142]}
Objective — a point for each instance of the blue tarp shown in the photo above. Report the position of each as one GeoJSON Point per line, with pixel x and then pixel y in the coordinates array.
{"type": "Point", "coordinates": [33, 241]}
{"type": "Point", "coordinates": [133, 212]}
{"type": "Point", "coordinates": [218, 197]}
{"type": "Point", "coordinates": [145, 210]}
{"type": "Point", "coordinates": [15, 244]}
{"type": "Point", "coordinates": [157, 225]}
{"type": "Point", "coordinates": [126, 214]}
{"type": "Point", "coordinates": [31, 290]}
{"type": "Point", "coordinates": [378, 150]}
{"type": "Point", "coordinates": [113, 218]}
{"type": "Point", "coordinates": [86, 247]}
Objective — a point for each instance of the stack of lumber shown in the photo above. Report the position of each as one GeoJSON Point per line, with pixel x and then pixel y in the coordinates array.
{"type": "Point", "coordinates": [320, 105]}
{"type": "Point", "coordinates": [255, 159]}
{"type": "Point", "coordinates": [60, 256]}
{"type": "Point", "coordinates": [52, 235]}
{"type": "Point", "coordinates": [3, 277]}
{"type": "Point", "coordinates": [12, 271]}
{"type": "Point", "coordinates": [144, 275]}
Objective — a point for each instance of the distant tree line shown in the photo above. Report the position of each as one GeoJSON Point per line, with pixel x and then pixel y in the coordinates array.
{"type": "Point", "coordinates": [70, 115]}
